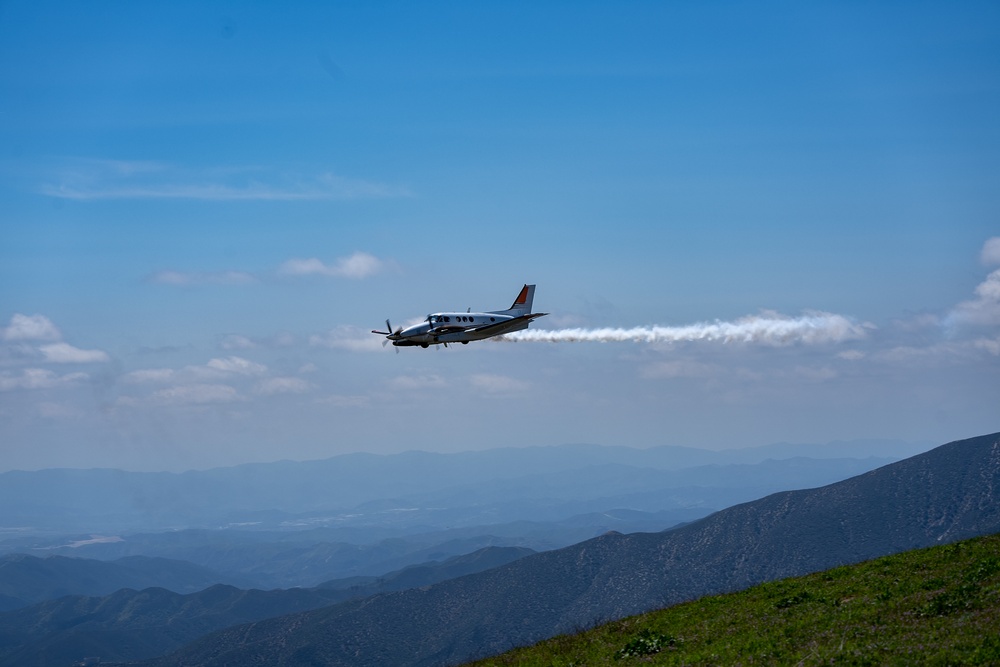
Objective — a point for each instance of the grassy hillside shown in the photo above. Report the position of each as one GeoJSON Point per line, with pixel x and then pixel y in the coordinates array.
{"type": "Point", "coordinates": [937, 606]}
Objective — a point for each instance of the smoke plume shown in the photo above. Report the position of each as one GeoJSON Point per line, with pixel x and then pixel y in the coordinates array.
{"type": "Point", "coordinates": [766, 329]}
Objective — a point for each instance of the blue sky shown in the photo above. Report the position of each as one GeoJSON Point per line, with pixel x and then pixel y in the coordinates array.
{"type": "Point", "coordinates": [207, 206]}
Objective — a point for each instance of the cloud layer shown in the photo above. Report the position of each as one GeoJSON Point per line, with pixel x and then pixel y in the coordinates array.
{"type": "Point", "coordinates": [84, 179]}
{"type": "Point", "coordinates": [357, 266]}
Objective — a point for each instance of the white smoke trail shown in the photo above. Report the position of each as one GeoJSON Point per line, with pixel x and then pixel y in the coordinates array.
{"type": "Point", "coordinates": [767, 329]}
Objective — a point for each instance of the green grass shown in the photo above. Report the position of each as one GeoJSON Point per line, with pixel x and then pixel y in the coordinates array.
{"type": "Point", "coordinates": [937, 606]}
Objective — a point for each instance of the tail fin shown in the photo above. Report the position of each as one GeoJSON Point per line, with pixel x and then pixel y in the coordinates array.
{"type": "Point", "coordinates": [522, 304]}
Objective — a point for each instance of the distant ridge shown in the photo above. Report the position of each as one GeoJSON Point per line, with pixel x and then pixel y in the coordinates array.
{"type": "Point", "coordinates": [25, 580]}
{"type": "Point", "coordinates": [111, 501]}
{"type": "Point", "coordinates": [947, 494]}
{"type": "Point", "coordinates": [131, 624]}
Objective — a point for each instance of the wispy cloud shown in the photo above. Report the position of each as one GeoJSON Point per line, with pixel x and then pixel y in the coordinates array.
{"type": "Point", "coordinates": [64, 353]}
{"type": "Point", "coordinates": [237, 365]}
{"type": "Point", "coordinates": [990, 254]}
{"type": "Point", "coordinates": [35, 339]}
{"type": "Point", "coordinates": [30, 327]}
{"type": "Point", "coordinates": [241, 342]}
{"type": "Point", "coordinates": [357, 266]}
{"type": "Point", "coordinates": [196, 394]}
{"type": "Point", "coordinates": [984, 309]}
{"type": "Point", "coordinates": [38, 378]}
{"type": "Point", "coordinates": [282, 385]}
{"type": "Point", "coordinates": [191, 278]}
{"type": "Point", "coordinates": [85, 179]}
{"type": "Point", "coordinates": [217, 381]}
{"type": "Point", "coordinates": [214, 370]}
{"type": "Point", "coordinates": [991, 345]}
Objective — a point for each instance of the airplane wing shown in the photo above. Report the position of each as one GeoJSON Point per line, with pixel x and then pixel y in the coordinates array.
{"type": "Point", "coordinates": [447, 329]}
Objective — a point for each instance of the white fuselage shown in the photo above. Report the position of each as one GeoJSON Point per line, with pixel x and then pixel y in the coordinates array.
{"type": "Point", "coordinates": [444, 328]}
{"type": "Point", "coordinates": [457, 328]}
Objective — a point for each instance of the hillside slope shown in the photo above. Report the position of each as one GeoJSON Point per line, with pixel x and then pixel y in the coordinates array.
{"type": "Point", "coordinates": [946, 494]}
{"type": "Point", "coordinates": [929, 606]}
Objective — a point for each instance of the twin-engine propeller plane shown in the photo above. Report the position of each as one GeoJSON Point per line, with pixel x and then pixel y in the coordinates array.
{"type": "Point", "coordinates": [444, 328]}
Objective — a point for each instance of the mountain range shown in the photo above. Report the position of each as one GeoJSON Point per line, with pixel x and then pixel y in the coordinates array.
{"type": "Point", "coordinates": [288, 524]}
{"type": "Point", "coordinates": [134, 624]}
{"type": "Point", "coordinates": [423, 521]}
{"type": "Point", "coordinates": [412, 488]}
{"type": "Point", "coordinates": [947, 494]}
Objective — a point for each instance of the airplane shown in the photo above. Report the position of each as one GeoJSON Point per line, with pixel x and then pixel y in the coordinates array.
{"type": "Point", "coordinates": [444, 328]}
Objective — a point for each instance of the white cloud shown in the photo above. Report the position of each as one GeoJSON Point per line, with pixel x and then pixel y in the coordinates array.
{"type": "Point", "coordinates": [38, 378]}
{"type": "Point", "coordinates": [26, 331]}
{"type": "Point", "coordinates": [357, 266]}
{"type": "Point", "coordinates": [196, 394]}
{"type": "Point", "coordinates": [237, 365]}
{"type": "Point", "coordinates": [984, 310]}
{"type": "Point", "coordinates": [990, 255]}
{"type": "Point", "coordinates": [193, 385]}
{"type": "Point", "coordinates": [149, 375]}
{"type": "Point", "coordinates": [30, 327]}
{"type": "Point", "coordinates": [237, 342]}
{"type": "Point", "coordinates": [64, 353]}
{"type": "Point", "coordinates": [990, 345]}
{"type": "Point", "coordinates": [851, 355]}
{"type": "Point", "coordinates": [282, 385]}
{"type": "Point", "coordinates": [240, 342]}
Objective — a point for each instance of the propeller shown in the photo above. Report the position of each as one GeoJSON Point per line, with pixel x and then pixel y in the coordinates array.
{"type": "Point", "coordinates": [388, 332]}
